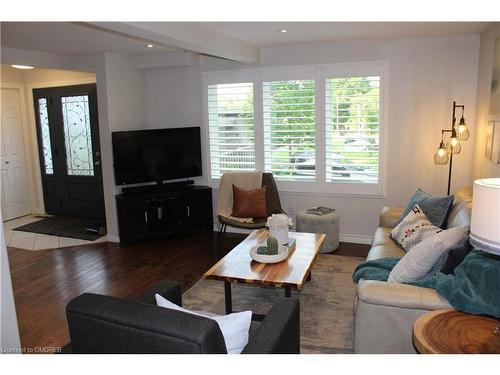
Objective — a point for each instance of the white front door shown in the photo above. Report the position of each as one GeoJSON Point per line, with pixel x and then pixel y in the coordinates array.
{"type": "Point", "coordinates": [14, 190]}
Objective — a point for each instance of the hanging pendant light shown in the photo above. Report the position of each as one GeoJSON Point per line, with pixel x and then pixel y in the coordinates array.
{"type": "Point", "coordinates": [453, 145]}
{"type": "Point", "coordinates": [441, 155]}
{"type": "Point", "coordinates": [463, 130]}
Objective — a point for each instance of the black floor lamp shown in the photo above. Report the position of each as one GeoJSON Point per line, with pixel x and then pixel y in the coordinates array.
{"type": "Point", "coordinates": [453, 146]}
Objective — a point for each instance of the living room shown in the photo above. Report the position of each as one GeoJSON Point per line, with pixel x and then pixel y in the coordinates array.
{"type": "Point", "coordinates": [333, 124]}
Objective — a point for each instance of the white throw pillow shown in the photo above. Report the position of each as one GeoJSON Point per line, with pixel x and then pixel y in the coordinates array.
{"type": "Point", "coordinates": [413, 229]}
{"type": "Point", "coordinates": [234, 327]}
{"type": "Point", "coordinates": [420, 260]}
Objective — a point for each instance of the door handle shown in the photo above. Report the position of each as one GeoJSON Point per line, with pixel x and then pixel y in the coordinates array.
{"type": "Point", "coordinates": [97, 162]}
{"type": "Point", "coordinates": [7, 162]}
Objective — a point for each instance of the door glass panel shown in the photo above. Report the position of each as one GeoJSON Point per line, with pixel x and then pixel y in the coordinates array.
{"type": "Point", "coordinates": [77, 137]}
{"type": "Point", "coordinates": [44, 125]}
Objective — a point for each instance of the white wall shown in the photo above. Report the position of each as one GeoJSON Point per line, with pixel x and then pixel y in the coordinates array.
{"type": "Point", "coordinates": [487, 62]}
{"type": "Point", "coordinates": [121, 101]}
{"type": "Point", "coordinates": [9, 332]}
{"type": "Point", "coordinates": [174, 97]}
{"type": "Point", "coordinates": [425, 76]}
{"type": "Point", "coordinates": [495, 90]}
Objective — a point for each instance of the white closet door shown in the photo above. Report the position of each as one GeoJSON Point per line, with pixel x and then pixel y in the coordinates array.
{"type": "Point", "coordinates": [14, 190]}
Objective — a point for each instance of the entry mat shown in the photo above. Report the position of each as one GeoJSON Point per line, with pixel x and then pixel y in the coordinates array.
{"type": "Point", "coordinates": [83, 228]}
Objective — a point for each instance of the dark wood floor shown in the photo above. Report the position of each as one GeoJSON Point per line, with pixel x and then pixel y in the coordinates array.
{"type": "Point", "coordinates": [45, 281]}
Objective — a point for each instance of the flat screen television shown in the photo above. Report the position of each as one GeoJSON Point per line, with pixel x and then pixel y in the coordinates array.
{"type": "Point", "coordinates": [156, 155]}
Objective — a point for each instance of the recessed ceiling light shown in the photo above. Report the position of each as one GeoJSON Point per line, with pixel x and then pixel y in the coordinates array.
{"type": "Point", "coordinates": [23, 66]}
{"type": "Point", "coordinates": [283, 30]}
{"type": "Point", "coordinates": [150, 45]}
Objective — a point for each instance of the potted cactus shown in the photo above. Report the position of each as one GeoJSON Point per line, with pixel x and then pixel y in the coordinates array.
{"type": "Point", "coordinates": [279, 225]}
{"type": "Point", "coordinates": [271, 248]}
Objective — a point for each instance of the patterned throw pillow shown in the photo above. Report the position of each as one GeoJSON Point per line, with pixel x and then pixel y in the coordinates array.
{"type": "Point", "coordinates": [413, 229]}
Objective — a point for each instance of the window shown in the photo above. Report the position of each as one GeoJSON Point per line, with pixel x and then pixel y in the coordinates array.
{"type": "Point", "coordinates": [77, 137]}
{"type": "Point", "coordinates": [352, 129]}
{"type": "Point", "coordinates": [231, 128]}
{"type": "Point", "coordinates": [290, 129]}
{"type": "Point", "coordinates": [318, 129]}
{"type": "Point", "coordinates": [45, 130]}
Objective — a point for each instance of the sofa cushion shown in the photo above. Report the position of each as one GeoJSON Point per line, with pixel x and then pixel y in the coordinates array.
{"type": "Point", "coordinates": [460, 214]}
{"type": "Point", "coordinates": [414, 228]}
{"type": "Point", "coordinates": [436, 208]}
{"type": "Point", "coordinates": [389, 216]}
{"type": "Point", "coordinates": [382, 236]}
{"type": "Point", "coordinates": [421, 260]}
{"type": "Point", "coordinates": [384, 251]}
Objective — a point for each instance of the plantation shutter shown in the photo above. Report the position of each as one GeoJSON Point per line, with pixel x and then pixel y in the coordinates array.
{"type": "Point", "coordinates": [231, 128]}
{"type": "Point", "coordinates": [290, 129]}
{"type": "Point", "coordinates": [352, 129]}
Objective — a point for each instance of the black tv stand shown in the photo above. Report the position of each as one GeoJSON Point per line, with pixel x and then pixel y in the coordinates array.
{"type": "Point", "coordinates": [160, 186]}
{"type": "Point", "coordinates": [159, 211]}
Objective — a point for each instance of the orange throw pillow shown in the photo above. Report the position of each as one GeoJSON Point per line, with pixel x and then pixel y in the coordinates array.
{"type": "Point", "coordinates": [249, 203]}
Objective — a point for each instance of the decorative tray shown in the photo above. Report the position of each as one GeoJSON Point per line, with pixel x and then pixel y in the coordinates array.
{"type": "Point", "coordinates": [283, 252]}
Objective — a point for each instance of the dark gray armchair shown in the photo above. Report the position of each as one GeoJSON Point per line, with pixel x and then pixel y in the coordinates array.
{"type": "Point", "coordinates": [103, 324]}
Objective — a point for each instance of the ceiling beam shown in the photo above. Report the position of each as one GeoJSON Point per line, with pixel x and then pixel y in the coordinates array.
{"type": "Point", "coordinates": [39, 59]}
{"type": "Point", "coordinates": [170, 59]}
{"type": "Point", "coordinates": [186, 36]}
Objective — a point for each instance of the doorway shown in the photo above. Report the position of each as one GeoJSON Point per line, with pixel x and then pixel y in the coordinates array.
{"type": "Point", "coordinates": [68, 142]}
{"type": "Point", "coordinates": [15, 195]}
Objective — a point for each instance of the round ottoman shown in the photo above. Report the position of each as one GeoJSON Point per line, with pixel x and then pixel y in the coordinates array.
{"type": "Point", "coordinates": [328, 224]}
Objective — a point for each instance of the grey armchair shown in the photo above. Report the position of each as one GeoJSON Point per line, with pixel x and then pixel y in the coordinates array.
{"type": "Point", "coordinates": [103, 324]}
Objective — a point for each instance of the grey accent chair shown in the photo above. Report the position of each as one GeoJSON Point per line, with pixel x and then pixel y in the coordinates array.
{"type": "Point", "coordinates": [102, 324]}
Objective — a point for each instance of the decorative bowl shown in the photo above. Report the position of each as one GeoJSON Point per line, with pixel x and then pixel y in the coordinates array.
{"type": "Point", "coordinates": [283, 252]}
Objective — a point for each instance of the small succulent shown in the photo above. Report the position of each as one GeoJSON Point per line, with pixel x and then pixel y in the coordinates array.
{"type": "Point", "coordinates": [262, 250]}
{"type": "Point", "coordinates": [270, 249]}
{"type": "Point", "coordinates": [272, 246]}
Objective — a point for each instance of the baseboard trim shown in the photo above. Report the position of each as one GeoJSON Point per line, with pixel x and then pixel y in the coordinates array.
{"type": "Point", "coordinates": [110, 237]}
{"type": "Point", "coordinates": [352, 238]}
{"type": "Point", "coordinates": [356, 238]}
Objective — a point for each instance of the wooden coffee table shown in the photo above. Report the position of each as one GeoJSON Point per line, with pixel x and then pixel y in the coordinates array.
{"type": "Point", "coordinates": [237, 266]}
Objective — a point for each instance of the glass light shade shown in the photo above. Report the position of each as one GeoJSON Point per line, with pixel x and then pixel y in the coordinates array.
{"type": "Point", "coordinates": [463, 131]}
{"type": "Point", "coordinates": [485, 220]}
{"type": "Point", "coordinates": [441, 156]}
{"type": "Point", "coordinates": [453, 146]}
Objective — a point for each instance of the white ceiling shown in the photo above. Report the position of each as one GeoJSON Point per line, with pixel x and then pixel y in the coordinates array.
{"type": "Point", "coordinates": [267, 33]}
{"type": "Point", "coordinates": [73, 38]}
{"type": "Point", "coordinates": [69, 38]}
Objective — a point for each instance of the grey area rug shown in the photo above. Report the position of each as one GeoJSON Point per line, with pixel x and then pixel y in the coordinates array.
{"type": "Point", "coordinates": [63, 226]}
{"type": "Point", "coordinates": [326, 303]}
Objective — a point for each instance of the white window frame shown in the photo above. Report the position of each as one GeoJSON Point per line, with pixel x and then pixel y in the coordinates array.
{"type": "Point", "coordinates": [287, 74]}
{"type": "Point", "coordinates": [355, 70]}
{"type": "Point", "coordinates": [319, 73]}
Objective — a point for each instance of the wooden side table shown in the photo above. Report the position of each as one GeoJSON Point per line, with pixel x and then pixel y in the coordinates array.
{"type": "Point", "coordinates": [454, 332]}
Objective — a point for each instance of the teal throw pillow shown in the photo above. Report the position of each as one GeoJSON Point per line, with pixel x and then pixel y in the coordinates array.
{"type": "Point", "coordinates": [436, 208]}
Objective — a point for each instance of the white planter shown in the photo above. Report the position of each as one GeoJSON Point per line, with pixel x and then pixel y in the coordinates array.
{"type": "Point", "coordinates": [280, 234]}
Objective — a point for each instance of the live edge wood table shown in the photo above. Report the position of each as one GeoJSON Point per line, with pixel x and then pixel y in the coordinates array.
{"type": "Point", "coordinates": [238, 266]}
{"type": "Point", "coordinates": [454, 332]}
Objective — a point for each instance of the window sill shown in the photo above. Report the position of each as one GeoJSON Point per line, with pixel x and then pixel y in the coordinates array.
{"type": "Point", "coordinates": [320, 189]}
